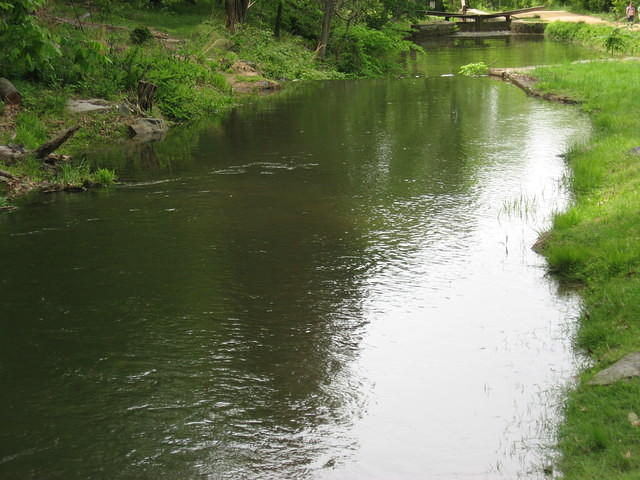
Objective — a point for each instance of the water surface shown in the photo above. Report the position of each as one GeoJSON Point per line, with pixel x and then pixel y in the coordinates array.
{"type": "Point", "coordinates": [333, 284]}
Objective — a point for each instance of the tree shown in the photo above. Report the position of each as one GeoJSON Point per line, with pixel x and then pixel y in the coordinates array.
{"type": "Point", "coordinates": [27, 48]}
{"type": "Point", "coordinates": [236, 12]}
{"type": "Point", "coordinates": [329, 9]}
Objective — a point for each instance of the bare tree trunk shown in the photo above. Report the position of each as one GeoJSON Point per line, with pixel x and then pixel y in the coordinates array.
{"type": "Point", "coordinates": [146, 92]}
{"type": "Point", "coordinates": [329, 10]}
{"type": "Point", "coordinates": [236, 12]}
{"type": "Point", "coordinates": [278, 23]}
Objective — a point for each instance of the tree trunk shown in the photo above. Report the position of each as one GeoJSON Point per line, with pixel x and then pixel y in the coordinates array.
{"type": "Point", "coordinates": [278, 24]}
{"type": "Point", "coordinates": [329, 7]}
{"type": "Point", "coordinates": [146, 92]}
{"type": "Point", "coordinates": [8, 92]}
{"type": "Point", "coordinates": [236, 12]}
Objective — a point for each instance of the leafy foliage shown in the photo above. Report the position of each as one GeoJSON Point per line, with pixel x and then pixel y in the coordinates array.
{"type": "Point", "coordinates": [474, 69]}
{"type": "Point", "coordinates": [139, 35]}
{"type": "Point", "coordinates": [281, 59]}
{"type": "Point", "coordinates": [27, 48]}
{"type": "Point", "coordinates": [366, 52]}
{"type": "Point", "coordinates": [614, 42]}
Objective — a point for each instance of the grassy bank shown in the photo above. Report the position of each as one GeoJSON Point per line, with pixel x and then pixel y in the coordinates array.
{"type": "Point", "coordinates": [595, 245]}
{"type": "Point", "coordinates": [105, 57]}
{"type": "Point", "coordinates": [104, 49]}
{"type": "Point", "coordinates": [615, 40]}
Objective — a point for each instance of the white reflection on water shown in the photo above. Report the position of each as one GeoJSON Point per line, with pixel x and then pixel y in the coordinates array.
{"type": "Point", "coordinates": [468, 343]}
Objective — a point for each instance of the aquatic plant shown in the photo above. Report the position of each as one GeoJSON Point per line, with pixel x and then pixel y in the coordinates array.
{"type": "Point", "coordinates": [104, 176]}
{"type": "Point", "coordinates": [474, 69]}
{"type": "Point", "coordinates": [139, 35]}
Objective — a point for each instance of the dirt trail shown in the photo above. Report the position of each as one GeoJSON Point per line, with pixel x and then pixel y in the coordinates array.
{"type": "Point", "coordinates": [564, 16]}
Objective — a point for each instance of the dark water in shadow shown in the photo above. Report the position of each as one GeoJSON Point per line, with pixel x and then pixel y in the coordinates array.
{"type": "Point", "coordinates": [336, 283]}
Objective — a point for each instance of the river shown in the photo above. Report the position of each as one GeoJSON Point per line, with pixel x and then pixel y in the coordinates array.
{"type": "Point", "coordinates": [334, 283]}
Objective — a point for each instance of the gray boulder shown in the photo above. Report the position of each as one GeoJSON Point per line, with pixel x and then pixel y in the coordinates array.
{"type": "Point", "coordinates": [148, 129]}
{"type": "Point", "coordinates": [627, 367]}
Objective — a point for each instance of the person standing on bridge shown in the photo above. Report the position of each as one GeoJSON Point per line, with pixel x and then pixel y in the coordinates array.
{"type": "Point", "coordinates": [631, 12]}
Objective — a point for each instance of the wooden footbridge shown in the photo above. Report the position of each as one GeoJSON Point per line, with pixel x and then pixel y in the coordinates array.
{"type": "Point", "coordinates": [480, 17]}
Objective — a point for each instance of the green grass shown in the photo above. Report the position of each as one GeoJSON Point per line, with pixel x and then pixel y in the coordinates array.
{"type": "Point", "coordinates": [179, 20]}
{"type": "Point", "coordinates": [596, 244]}
{"type": "Point", "coordinates": [189, 70]}
{"type": "Point", "coordinates": [104, 177]}
{"type": "Point", "coordinates": [608, 38]}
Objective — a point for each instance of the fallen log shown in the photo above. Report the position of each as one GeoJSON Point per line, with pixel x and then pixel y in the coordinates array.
{"type": "Point", "coordinates": [49, 147]}
{"type": "Point", "coordinates": [13, 153]}
{"type": "Point", "coordinates": [8, 93]}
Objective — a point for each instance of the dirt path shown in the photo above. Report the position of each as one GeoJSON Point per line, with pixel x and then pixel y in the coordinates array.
{"type": "Point", "coordinates": [564, 16]}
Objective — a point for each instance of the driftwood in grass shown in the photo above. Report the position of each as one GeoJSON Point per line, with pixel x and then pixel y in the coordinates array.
{"type": "Point", "coordinates": [8, 93]}
{"type": "Point", "coordinates": [12, 153]}
{"type": "Point", "coordinates": [49, 147]}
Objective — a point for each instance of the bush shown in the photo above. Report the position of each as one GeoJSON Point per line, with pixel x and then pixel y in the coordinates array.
{"type": "Point", "coordinates": [27, 48]}
{"type": "Point", "coordinates": [364, 52]}
{"type": "Point", "coordinates": [139, 35]}
{"type": "Point", "coordinates": [614, 42]}
{"type": "Point", "coordinates": [287, 58]}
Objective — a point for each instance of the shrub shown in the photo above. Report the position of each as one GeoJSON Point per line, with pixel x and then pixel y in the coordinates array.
{"type": "Point", "coordinates": [31, 48]}
{"type": "Point", "coordinates": [287, 58]}
{"type": "Point", "coordinates": [613, 42]}
{"type": "Point", "coordinates": [370, 53]}
{"type": "Point", "coordinates": [139, 35]}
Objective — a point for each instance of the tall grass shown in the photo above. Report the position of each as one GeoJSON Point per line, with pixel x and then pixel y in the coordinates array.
{"type": "Point", "coordinates": [602, 37]}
